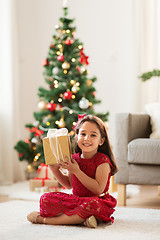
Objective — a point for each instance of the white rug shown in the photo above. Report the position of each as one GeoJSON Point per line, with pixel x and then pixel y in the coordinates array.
{"type": "Point", "coordinates": [21, 190]}
{"type": "Point", "coordinates": [130, 224]}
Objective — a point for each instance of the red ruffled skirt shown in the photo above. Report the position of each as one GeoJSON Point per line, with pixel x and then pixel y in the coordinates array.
{"type": "Point", "coordinates": [55, 203]}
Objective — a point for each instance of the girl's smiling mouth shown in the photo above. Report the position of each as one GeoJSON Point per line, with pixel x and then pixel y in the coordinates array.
{"type": "Point", "coordinates": [87, 144]}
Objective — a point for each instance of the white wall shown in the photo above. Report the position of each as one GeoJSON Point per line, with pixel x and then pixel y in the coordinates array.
{"type": "Point", "coordinates": [105, 28]}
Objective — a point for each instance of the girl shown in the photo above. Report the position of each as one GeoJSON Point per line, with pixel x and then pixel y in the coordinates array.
{"type": "Point", "coordinates": [89, 175]}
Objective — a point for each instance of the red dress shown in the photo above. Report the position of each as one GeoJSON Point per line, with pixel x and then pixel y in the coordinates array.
{"type": "Point", "coordinates": [82, 202]}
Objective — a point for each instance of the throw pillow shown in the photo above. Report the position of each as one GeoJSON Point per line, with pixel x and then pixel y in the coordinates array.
{"type": "Point", "coordinates": [153, 109]}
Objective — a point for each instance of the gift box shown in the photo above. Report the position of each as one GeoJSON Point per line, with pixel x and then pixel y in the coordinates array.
{"type": "Point", "coordinates": [45, 172]}
{"type": "Point", "coordinates": [55, 189]}
{"type": "Point", "coordinates": [56, 145]}
{"type": "Point", "coordinates": [42, 182]}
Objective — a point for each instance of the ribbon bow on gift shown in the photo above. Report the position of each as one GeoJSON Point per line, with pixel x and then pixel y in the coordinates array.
{"type": "Point", "coordinates": [57, 132]}
{"type": "Point", "coordinates": [46, 174]}
{"type": "Point", "coordinates": [55, 147]}
{"type": "Point", "coordinates": [41, 166]}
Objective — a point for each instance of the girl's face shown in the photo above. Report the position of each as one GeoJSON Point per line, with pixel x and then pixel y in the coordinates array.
{"type": "Point", "coordinates": [89, 138]}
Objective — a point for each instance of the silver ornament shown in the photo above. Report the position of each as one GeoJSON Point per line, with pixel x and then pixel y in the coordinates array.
{"type": "Point", "coordinates": [55, 70]}
{"type": "Point", "coordinates": [34, 140]}
{"type": "Point", "coordinates": [83, 103]}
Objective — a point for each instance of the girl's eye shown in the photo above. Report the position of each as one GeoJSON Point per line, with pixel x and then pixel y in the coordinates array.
{"type": "Point", "coordinates": [83, 134]}
{"type": "Point", "coordinates": [93, 135]}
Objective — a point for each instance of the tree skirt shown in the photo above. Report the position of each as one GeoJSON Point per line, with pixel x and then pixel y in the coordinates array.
{"type": "Point", "coordinates": [130, 224]}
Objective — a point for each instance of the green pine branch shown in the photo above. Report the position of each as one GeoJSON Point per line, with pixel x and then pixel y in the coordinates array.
{"type": "Point", "coordinates": [148, 75]}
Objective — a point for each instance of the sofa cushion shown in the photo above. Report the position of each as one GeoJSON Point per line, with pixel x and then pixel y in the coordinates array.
{"type": "Point", "coordinates": [144, 151]}
{"type": "Point", "coordinates": [153, 109]}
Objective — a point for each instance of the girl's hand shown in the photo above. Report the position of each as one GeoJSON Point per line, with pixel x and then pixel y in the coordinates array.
{"type": "Point", "coordinates": [64, 180]}
{"type": "Point", "coordinates": [71, 165]}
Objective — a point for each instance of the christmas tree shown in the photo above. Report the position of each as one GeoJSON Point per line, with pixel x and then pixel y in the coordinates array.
{"type": "Point", "coordinates": [70, 92]}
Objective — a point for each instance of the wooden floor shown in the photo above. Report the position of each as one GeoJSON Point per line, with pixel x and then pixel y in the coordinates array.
{"type": "Point", "coordinates": [146, 198]}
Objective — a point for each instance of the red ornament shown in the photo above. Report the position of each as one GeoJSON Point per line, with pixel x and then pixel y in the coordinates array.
{"type": "Point", "coordinates": [78, 68]}
{"type": "Point", "coordinates": [94, 94]}
{"type": "Point", "coordinates": [68, 95]}
{"type": "Point", "coordinates": [20, 154]}
{"type": "Point", "coordinates": [51, 106]}
{"type": "Point", "coordinates": [68, 42]}
{"type": "Point", "coordinates": [60, 58]}
{"type": "Point", "coordinates": [35, 130]}
{"type": "Point", "coordinates": [45, 62]}
{"type": "Point", "coordinates": [27, 140]}
{"type": "Point", "coordinates": [52, 46]}
{"type": "Point", "coordinates": [60, 106]}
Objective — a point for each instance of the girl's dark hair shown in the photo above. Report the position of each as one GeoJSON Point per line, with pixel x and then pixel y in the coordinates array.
{"type": "Point", "coordinates": [105, 147]}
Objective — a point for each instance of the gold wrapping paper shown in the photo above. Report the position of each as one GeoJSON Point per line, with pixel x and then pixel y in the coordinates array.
{"type": "Point", "coordinates": [38, 183]}
{"type": "Point", "coordinates": [62, 147]}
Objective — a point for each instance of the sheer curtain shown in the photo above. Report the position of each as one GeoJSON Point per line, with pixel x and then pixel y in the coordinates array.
{"type": "Point", "coordinates": [10, 168]}
{"type": "Point", "coordinates": [147, 45]}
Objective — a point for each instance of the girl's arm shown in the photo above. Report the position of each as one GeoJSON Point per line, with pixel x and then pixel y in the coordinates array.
{"type": "Point", "coordinates": [64, 180]}
{"type": "Point", "coordinates": [96, 185]}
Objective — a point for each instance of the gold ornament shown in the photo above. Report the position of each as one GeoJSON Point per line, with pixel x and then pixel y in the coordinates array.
{"type": "Point", "coordinates": [61, 122]}
{"type": "Point", "coordinates": [65, 65]}
{"type": "Point", "coordinates": [73, 60]}
{"type": "Point", "coordinates": [42, 105]}
{"type": "Point", "coordinates": [60, 48]}
{"type": "Point", "coordinates": [36, 157]}
{"type": "Point", "coordinates": [71, 133]}
{"type": "Point", "coordinates": [60, 45]}
{"type": "Point", "coordinates": [72, 82]}
{"type": "Point", "coordinates": [83, 70]}
{"type": "Point", "coordinates": [59, 99]}
{"type": "Point", "coordinates": [48, 123]}
{"type": "Point", "coordinates": [74, 123]}
{"type": "Point", "coordinates": [56, 85]}
{"type": "Point", "coordinates": [75, 88]}
{"type": "Point", "coordinates": [30, 168]}
{"type": "Point", "coordinates": [89, 82]}
{"type": "Point", "coordinates": [80, 47]}
{"type": "Point", "coordinates": [65, 71]}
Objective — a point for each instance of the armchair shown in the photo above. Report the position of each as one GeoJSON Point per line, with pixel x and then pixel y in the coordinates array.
{"type": "Point", "coordinates": [137, 156]}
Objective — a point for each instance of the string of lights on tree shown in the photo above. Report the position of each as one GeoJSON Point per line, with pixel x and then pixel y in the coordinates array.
{"type": "Point", "coordinates": [70, 92]}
